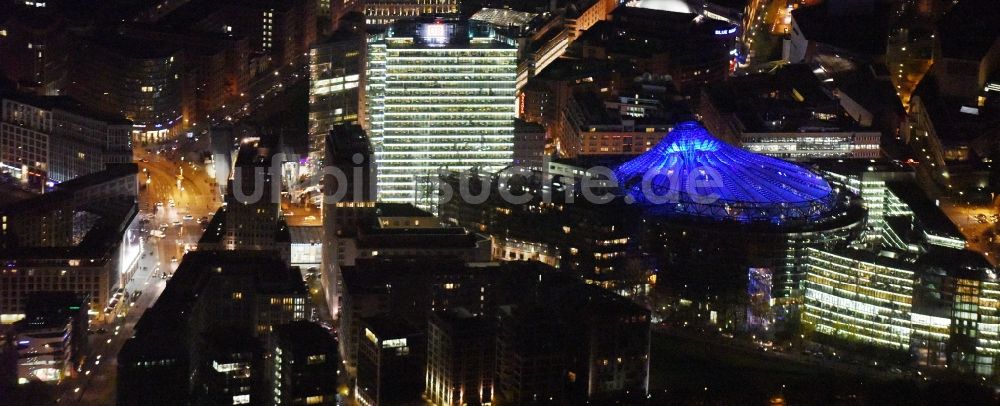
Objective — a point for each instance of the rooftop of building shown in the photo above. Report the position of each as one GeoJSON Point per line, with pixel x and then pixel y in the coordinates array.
{"type": "Point", "coordinates": [269, 273]}
{"type": "Point", "coordinates": [135, 48]}
{"type": "Point", "coordinates": [30, 19]}
{"type": "Point", "coordinates": [306, 234]}
{"type": "Point", "coordinates": [386, 209]}
{"type": "Point", "coordinates": [590, 302]}
{"type": "Point", "coordinates": [62, 192]}
{"type": "Point", "coordinates": [95, 249]}
{"type": "Point", "coordinates": [866, 87]}
{"type": "Point", "coordinates": [969, 29]}
{"type": "Point", "coordinates": [685, 37]}
{"type": "Point", "coordinates": [746, 187]}
{"type": "Point", "coordinates": [113, 214]}
{"type": "Point", "coordinates": [738, 5]}
{"type": "Point", "coordinates": [958, 263]}
{"type": "Point", "coordinates": [441, 33]}
{"type": "Point", "coordinates": [864, 30]}
{"type": "Point", "coordinates": [659, 108]}
{"type": "Point", "coordinates": [111, 173]}
{"type": "Point", "coordinates": [64, 103]}
{"type": "Point", "coordinates": [419, 238]}
{"type": "Point", "coordinates": [526, 127]}
{"type": "Point", "coordinates": [11, 193]}
{"type": "Point", "coordinates": [217, 227]}
{"type": "Point", "coordinates": [504, 17]}
{"type": "Point", "coordinates": [859, 166]}
{"type": "Point", "coordinates": [956, 120]}
{"type": "Point", "coordinates": [351, 27]}
{"type": "Point", "coordinates": [194, 43]}
{"type": "Point", "coordinates": [389, 328]}
{"type": "Point", "coordinates": [345, 140]}
{"type": "Point", "coordinates": [369, 276]}
{"type": "Point", "coordinates": [790, 98]}
{"type": "Point", "coordinates": [44, 304]}
{"type": "Point", "coordinates": [671, 16]}
{"type": "Point", "coordinates": [195, 12]}
{"type": "Point", "coordinates": [571, 69]}
{"type": "Point", "coordinates": [457, 316]}
{"type": "Point", "coordinates": [927, 212]}
{"type": "Point", "coordinates": [303, 336]}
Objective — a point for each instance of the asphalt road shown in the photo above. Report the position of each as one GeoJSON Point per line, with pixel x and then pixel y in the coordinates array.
{"type": "Point", "coordinates": [168, 171]}
{"type": "Point", "coordinates": [194, 194]}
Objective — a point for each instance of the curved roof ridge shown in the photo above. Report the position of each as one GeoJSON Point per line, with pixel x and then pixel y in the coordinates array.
{"type": "Point", "coordinates": [745, 186]}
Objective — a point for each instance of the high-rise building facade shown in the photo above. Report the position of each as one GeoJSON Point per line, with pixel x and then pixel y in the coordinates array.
{"type": "Point", "coordinates": [136, 78]}
{"type": "Point", "coordinates": [336, 68]}
{"type": "Point", "coordinates": [441, 97]}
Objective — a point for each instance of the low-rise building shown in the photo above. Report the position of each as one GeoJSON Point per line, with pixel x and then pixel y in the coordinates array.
{"type": "Point", "coordinates": [52, 339]}
{"type": "Point", "coordinates": [857, 31]}
{"type": "Point", "coordinates": [787, 113]}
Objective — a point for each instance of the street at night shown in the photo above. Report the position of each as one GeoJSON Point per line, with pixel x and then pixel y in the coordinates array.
{"type": "Point", "coordinates": [458, 202]}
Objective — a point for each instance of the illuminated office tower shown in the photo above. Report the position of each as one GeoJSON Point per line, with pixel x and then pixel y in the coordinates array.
{"type": "Point", "coordinates": [440, 97]}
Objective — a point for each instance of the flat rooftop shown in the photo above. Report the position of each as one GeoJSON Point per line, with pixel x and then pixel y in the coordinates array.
{"type": "Point", "coordinates": [928, 214]}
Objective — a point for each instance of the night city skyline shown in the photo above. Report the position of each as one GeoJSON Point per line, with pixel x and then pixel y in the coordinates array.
{"type": "Point", "coordinates": [499, 202]}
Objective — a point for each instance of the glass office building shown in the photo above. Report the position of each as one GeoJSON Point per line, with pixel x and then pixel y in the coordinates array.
{"type": "Point", "coordinates": [859, 296]}
{"type": "Point", "coordinates": [441, 96]}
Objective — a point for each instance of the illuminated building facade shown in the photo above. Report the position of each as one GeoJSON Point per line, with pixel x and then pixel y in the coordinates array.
{"type": "Point", "coordinates": [712, 207]}
{"type": "Point", "coordinates": [45, 351]}
{"type": "Point", "coordinates": [862, 298]}
{"type": "Point", "coordinates": [441, 97]}
{"type": "Point", "coordinates": [941, 306]}
{"type": "Point", "coordinates": [82, 237]}
{"type": "Point", "coordinates": [797, 146]}
{"type": "Point", "coordinates": [591, 124]}
{"type": "Point", "coordinates": [460, 354]}
{"type": "Point", "coordinates": [380, 14]}
{"type": "Point", "coordinates": [788, 113]}
{"type": "Point", "coordinates": [54, 138]}
{"type": "Point", "coordinates": [336, 68]}
{"type": "Point", "coordinates": [957, 306]}
{"type": "Point", "coordinates": [870, 180]}
{"type": "Point", "coordinates": [540, 38]}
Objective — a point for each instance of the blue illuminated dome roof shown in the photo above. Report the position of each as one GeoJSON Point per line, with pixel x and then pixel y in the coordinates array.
{"type": "Point", "coordinates": [692, 173]}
